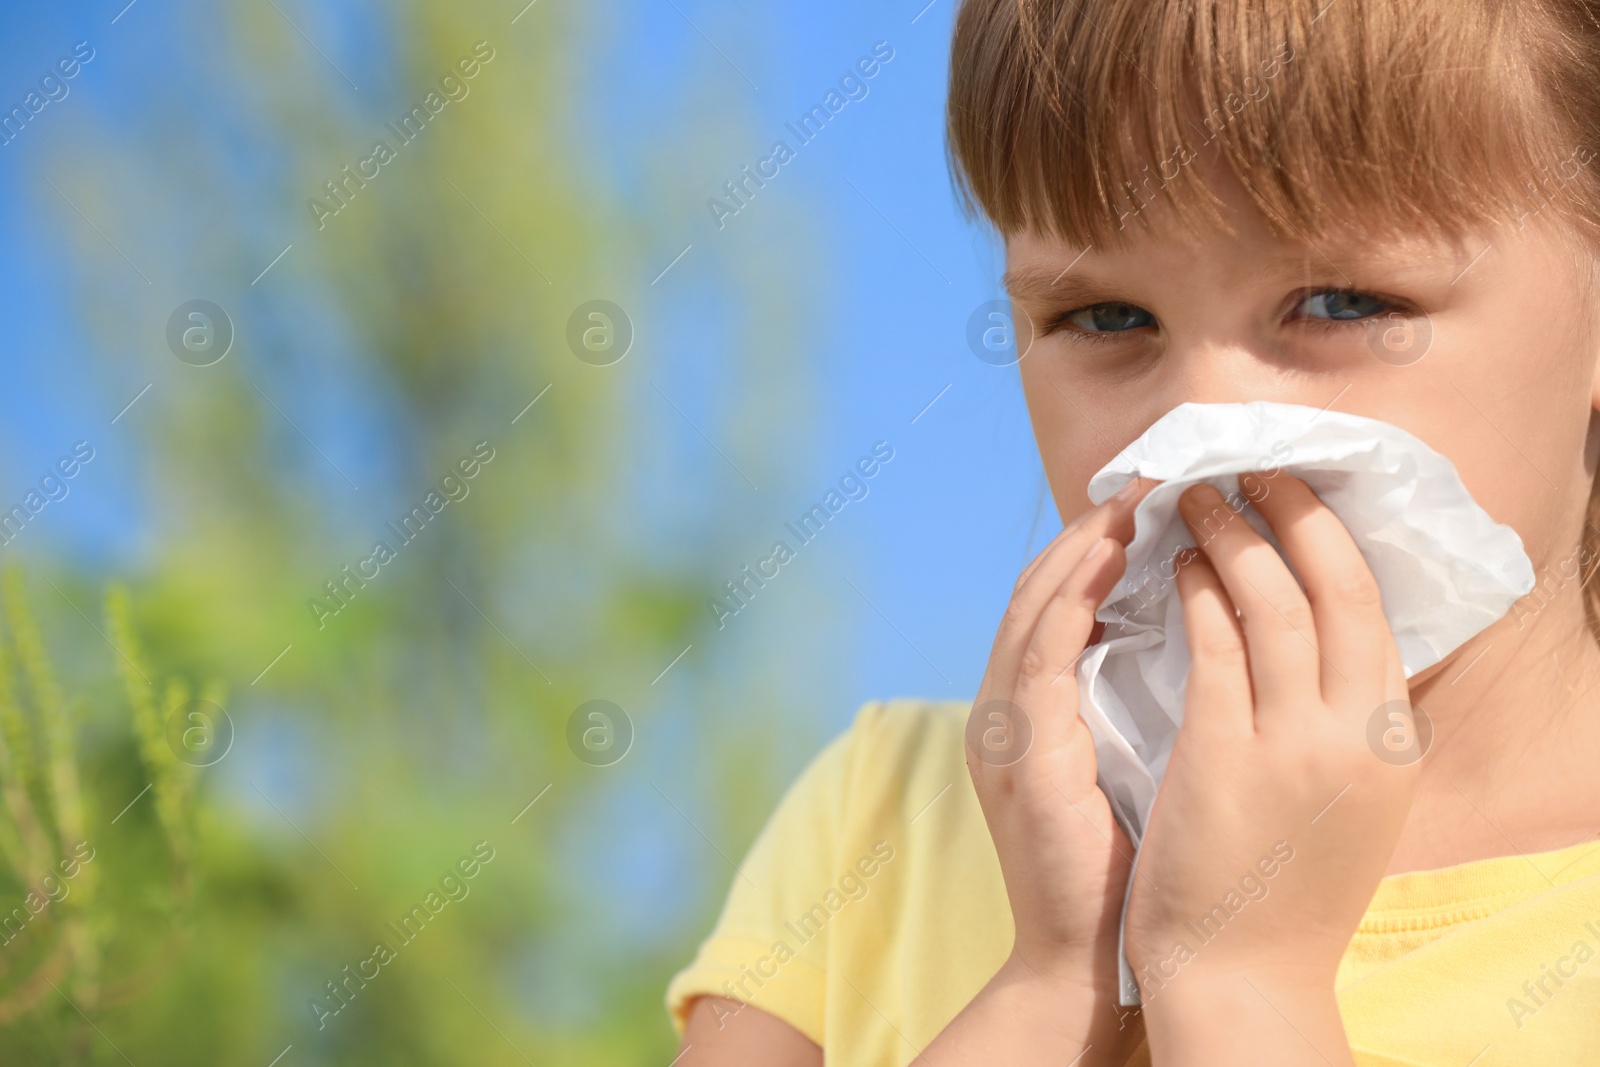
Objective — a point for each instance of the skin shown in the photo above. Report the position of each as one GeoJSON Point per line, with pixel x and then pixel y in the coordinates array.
{"type": "Point", "coordinates": [1273, 750]}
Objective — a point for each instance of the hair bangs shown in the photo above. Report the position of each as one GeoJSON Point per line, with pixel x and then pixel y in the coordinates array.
{"type": "Point", "coordinates": [1074, 117]}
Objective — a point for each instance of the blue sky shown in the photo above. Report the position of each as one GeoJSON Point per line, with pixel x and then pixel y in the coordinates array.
{"type": "Point", "coordinates": [933, 550]}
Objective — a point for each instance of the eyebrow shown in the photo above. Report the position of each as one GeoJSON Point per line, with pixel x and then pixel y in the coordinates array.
{"type": "Point", "coordinates": [1048, 284]}
{"type": "Point", "coordinates": [1040, 285]}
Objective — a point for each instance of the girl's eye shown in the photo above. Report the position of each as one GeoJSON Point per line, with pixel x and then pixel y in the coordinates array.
{"type": "Point", "coordinates": [1108, 318]}
{"type": "Point", "coordinates": [1339, 304]}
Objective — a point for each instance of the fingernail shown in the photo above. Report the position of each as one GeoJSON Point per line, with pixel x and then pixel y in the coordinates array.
{"type": "Point", "coordinates": [1128, 490]}
{"type": "Point", "coordinates": [1095, 549]}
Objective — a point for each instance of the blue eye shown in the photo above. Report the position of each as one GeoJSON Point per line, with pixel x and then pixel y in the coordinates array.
{"type": "Point", "coordinates": [1109, 318]}
{"type": "Point", "coordinates": [1341, 304]}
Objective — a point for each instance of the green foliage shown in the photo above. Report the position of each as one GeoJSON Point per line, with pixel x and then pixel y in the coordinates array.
{"type": "Point", "coordinates": [171, 786]}
{"type": "Point", "coordinates": [56, 929]}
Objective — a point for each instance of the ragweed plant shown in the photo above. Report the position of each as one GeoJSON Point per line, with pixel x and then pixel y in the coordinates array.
{"type": "Point", "coordinates": [54, 928]}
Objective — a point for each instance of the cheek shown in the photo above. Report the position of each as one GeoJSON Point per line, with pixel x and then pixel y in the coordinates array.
{"type": "Point", "coordinates": [1529, 378]}
{"type": "Point", "coordinates": [1523, 458]}
{"type": "Point", "coordinates": [1510, 407]}
{"type": "Point", "coordinates": [1073, 441]}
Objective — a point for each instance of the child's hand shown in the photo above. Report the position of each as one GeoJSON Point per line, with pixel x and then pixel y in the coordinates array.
{"type": "Point", "coordinates": [1032, 761]}
{"type": "Point", "coordinates": [1276, 817]}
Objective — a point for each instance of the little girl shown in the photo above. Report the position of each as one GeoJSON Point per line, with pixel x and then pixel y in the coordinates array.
{"type": "Point", "coordinates": [1379, 206]}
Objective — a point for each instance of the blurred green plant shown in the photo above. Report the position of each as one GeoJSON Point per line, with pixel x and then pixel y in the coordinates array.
{"type": "Point", "coordinates": [55, 936]}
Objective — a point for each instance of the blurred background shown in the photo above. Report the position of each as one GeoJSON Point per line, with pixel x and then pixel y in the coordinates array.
{"type": "Point", "coordinates": [561, 351]}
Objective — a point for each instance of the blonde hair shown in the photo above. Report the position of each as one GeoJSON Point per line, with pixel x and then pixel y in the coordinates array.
{"type": "Point", "coordinates": [1068, 117]}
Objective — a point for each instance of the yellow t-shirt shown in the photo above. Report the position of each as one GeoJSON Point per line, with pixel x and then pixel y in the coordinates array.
{"type": "Point", "coordinates": [870, 910]}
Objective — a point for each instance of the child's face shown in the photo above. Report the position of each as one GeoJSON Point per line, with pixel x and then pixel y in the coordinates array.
{"type": "Point", "coordinates": [1492, 361]}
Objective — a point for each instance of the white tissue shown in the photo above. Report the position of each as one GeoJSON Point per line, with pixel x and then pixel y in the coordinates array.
{"type": "Point", "coordinates": [1446, 570]}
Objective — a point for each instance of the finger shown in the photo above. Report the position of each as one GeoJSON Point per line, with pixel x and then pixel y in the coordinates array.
{"type": "Point", "coordinates": [1346, 606]}
{"type": "Point", "coordinates": [1044, 576]}
{"type": "Point", "coordinates": [1217, 696]}
{"type": "Point", "coordinates": [1047, 684]}
{"type": "Point", "coordinates": [1119, 506]}
{"type": "Point", "coordinates": [1280, 636]}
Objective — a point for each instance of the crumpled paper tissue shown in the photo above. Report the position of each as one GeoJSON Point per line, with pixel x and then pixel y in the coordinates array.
{"type": "Point", "coordinates": [1445, 569]}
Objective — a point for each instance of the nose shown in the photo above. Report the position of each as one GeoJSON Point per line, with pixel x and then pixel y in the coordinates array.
{"type": "Point", "coordinates": [1219, 365]}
